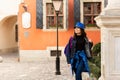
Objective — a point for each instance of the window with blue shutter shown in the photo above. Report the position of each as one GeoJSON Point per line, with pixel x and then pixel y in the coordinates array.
{"type": "Point", "coordinates": [105, 3]}
{"type": "Point", "coordinates": [39, 14]}
{"type": "Point", "coordinates": [76, 11]}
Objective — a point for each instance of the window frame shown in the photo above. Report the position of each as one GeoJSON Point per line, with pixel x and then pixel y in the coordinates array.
{"type": "Point", "coordinates": [53, 15]}
{"type": "Point", "coordinates": [82, 9]}
{"type": "Point", "coordinates": [91, 14]}
{"type": "Point", "coordinates": [45, 16]}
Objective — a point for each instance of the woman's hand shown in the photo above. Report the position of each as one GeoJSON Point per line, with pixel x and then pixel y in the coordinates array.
{"type": "Point", "coordinates": [69, 65]}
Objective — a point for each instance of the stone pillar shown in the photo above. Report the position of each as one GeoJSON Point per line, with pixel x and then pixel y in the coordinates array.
{"type": "Point", "coordinates": [109, 22]}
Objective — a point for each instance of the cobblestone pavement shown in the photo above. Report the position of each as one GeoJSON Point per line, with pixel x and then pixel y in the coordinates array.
{"type": "Point", "coordinates": [11, 69]}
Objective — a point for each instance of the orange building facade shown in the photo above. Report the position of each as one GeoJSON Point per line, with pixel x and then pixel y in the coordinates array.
{"type": "Point", "coordinates": [35, 43]}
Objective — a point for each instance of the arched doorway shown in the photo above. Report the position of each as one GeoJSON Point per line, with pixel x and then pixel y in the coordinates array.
{"type": "Point", "coordinates": [9, 38]}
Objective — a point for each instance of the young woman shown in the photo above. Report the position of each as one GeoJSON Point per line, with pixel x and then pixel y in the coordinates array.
{"type": "Point", "coordinates": [77, 51]}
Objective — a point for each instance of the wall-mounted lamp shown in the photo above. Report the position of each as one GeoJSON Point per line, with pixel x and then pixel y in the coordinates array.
{"type": "Point", "coordinates": [25, 7]}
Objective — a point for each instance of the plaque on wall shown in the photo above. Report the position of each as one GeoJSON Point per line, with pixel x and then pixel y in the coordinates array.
{"type": "Point", "coordinates": [26, 20]}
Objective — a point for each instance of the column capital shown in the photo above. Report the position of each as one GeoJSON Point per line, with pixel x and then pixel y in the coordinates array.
{"type": "Point", "coordinates": [108, 21]}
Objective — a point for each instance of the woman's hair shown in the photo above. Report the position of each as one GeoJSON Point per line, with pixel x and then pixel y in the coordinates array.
{"type": "Point", "coordinates": [83, 33]}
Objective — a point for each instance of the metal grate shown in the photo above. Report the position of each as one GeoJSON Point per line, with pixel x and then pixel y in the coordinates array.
{"type": "Point", "coordinates": [54, 52]}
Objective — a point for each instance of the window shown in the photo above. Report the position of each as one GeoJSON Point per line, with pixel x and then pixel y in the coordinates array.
{"type": "Point", "coordinates": [51, 17]}
{"type": "Point", "coordinates": [91, 10]}
{"type": "Point", "coordinates": [16, 33]}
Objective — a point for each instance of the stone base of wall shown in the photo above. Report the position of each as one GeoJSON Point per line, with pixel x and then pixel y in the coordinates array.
{"type": "Point", "coordinates": [38, 55]}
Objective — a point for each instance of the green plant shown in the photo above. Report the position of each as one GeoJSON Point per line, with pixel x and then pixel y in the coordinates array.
{"type": "Point", "coordinates": [91, 25]}
{"type": "Point", "coordinates": [95, 62]}
{"type": "Point", "coordinates": [95, 70]}
{"type": "Point", "coordinates": [96, 49]}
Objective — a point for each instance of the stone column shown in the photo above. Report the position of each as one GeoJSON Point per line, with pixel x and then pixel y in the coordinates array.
{"type": "Point", "coordinates": [109, 22]}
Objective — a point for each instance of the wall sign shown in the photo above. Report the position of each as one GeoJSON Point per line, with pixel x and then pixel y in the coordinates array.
{"type": "Point", "coordinates": [26, 20]}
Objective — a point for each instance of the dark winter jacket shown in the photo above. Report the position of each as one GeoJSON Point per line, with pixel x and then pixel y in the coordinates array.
{"type": "Point", "coordinates": [71, 48]}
